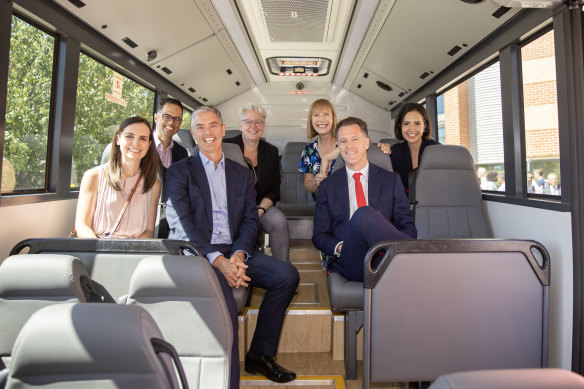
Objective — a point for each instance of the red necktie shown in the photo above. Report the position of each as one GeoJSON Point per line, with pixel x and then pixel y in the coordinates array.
{"type": "Point", "coordinates": [359, 191]}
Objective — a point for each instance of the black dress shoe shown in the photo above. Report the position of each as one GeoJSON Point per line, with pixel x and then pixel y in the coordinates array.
{"type": "Point", "coordinates": [258, 363]}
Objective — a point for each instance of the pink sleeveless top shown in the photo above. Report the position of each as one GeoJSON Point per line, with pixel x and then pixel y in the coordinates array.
{"type": "Point", "coordinates": [109, 205]}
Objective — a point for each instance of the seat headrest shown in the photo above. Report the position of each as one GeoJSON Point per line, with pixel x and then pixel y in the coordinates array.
{"type": "Point", "coordinates": [85, 342]}
{"type": "Point", "coordinates": [184, 138]}
{"type": "Point", "coordinates": [43, 275]}
{"type": "Point", "coordinates": [173, 275]}
{"type": "Point", "coordinates": [374, 156]}
{"type": "Point", "coordinates": [446, 157]}
{"type": "Point", "coordinates": [291, 156]}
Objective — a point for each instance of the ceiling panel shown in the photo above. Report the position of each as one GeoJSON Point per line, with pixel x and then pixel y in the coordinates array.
{"type": "Point", "coordinates": [366, 86]}
{"type": "Point", "coordinates": [165, 26]}
{"type": "Point", "coordinates": [206, 72]}
{"type": "Point", "coordinates": [418, 34]}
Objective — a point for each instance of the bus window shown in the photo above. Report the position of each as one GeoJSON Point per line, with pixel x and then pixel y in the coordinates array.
{"type": "Point", "coordinates": [24, 165]}
{"type": "Point", "coordinates": [541, 115]}
{"type": "Point", "coordinates": [104, 99]}
{"type": "Point", "coordinates": [469, 115]}
{"type": "Point", "coordinates": [186, 123]}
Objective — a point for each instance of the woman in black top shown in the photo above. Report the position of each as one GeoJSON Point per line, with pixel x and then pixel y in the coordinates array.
{"type": "Point", "coordinates": [263, 159]}
{"type": "Point", "coordinates": [414, 128]}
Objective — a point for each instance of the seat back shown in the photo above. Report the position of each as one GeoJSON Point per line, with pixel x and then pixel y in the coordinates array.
{"type": "Point", "coordinates": [110, 262]}
{"type": "Point", "coordinates": [434, 307]}
{"type": "Point", "coordinates": [230, 133]}
{"type": "Point", "coordinates": [231, 151]}
{"type": "Point", "coordinates": [184, 297]}
{"type": "Point", "coordinates": [31, 282]}
{"type": "Point", "coordinates": [374, 156]}
{"type": "Point", "coordinates": [511, 379]}
{"type": "Point", "coordinates": [90, 345]}
{"type": "Point", "coordinates": [185, 139]}
{"type": "Point", "coordinates": [448, 201]}
{"type": "Point", "coordinates": [294, 199]}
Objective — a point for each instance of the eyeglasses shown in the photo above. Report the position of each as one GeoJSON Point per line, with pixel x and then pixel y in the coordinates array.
{"type": "Point", "coordinates": [249, 123]}
{"type": "Point", "coordinates": [166, 117]}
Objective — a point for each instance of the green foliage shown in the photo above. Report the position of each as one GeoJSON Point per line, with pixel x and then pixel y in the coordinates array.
{"type": "Point", "coordinates": [28, 104]}
{"type": "Point", "coordinates": [29, 101]}
{"type": "Point", "coordinates": [96, 118]}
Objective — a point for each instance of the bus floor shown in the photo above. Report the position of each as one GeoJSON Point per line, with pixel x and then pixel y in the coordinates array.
{"type": "Point", "coordinates": [311, 343]}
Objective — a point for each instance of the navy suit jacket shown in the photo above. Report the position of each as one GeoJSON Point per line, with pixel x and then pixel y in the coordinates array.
{"type": "Point", "coordinates": [189, 207]}
{"type": "Point", "coordinates": [331, 216]}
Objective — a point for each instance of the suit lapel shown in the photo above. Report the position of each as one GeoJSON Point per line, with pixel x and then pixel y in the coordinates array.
{"type": "Point", "coordinates": [232, 190]}
{"type": "Point", "coordinates": [201, 179]}
{"type": "Point", "coordinates": [374, 185]}
{"type": "Point", "coordinates": [344, 192]}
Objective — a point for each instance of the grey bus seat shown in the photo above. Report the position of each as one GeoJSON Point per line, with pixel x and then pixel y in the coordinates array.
{"type": "Point", "coordinates": [110, 262]}
{"type": "Point", "coordinates": [448, 201]}
{"type": "Point", "coordinates": [390, 141]}
{"type": "Point", "coordinates": [184, 297]}
{"type": "Point", "coordinates": [374, 156]}
{"type": "Point", "coordinates": [185, 139]}
{"type": "Point", "coordinates": [295, 201]}
{"type": "Point", "coordinates": [230, 133]}
{"type": "Point", "coordinates": [511, 379]}
{"type": "Point", "coordinates": [31, 282]}
{"type": "Point", "coordinates": [347, 296]}
{"type": "Point", "coordinates": [90, 345]}
{"type": "Point", "coordinates": [434, 307]}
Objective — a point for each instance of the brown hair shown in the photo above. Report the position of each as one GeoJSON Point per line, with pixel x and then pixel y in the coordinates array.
{"type": "Point", "coordinates": [409, 107]}
{"type": "Point", "coordinates": [353, 120]}
{"type": "Point", "coordinates": [148, 164]}
{"type": "Point", "coordinates": [320, 105]}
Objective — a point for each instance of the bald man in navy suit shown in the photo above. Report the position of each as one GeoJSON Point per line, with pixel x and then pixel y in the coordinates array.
{"type": "Point", "coordinates": [359, 205]}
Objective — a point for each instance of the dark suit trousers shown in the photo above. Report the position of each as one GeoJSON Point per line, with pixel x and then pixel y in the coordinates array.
{"type": "Point", "coordinates": [280, 280]}
{"type": "Point", "coordinates": [366, 227]}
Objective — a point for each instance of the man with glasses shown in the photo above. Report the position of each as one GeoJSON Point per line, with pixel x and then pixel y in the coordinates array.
{"type": "Point", "coordinates": [167, 123]}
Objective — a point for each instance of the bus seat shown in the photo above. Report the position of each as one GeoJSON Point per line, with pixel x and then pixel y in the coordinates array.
{"type": "Point", "coordinates": [91, 345]}
{"type": "Point", "coordinates": [434, 307]}
{"type": "Point", "coordinates": [390, 141]}
{"type": "Point", "coordinates": [110, 262]}
{"type": "Point", "coordinates": [511, 379]}
{"type": "Point", "coordinates": [30, 282]}
{"type": "Point", "coordinates": [185, 139]}
{"type": "Point", "coordinates": [106, 154]}
{"type": "Point", "coordinates": [230, 133]}
{"type": "Point", "coordinates": [295, 201]}
{"type": "Point", "coordinates": [185, 299]}
{"type": "Point", "coordinates": [347, 296]}
{"type": "Point", "coordinates": [447, 196]}
{"type": "Point", "coordinates": [374, 155]}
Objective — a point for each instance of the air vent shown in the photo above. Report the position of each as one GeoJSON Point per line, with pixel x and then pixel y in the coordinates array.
{"type": "Point", "coordinates": [424, 75]}
{"type": "Point", "coordinates": [130, 42]}
{"type": "Point", "coordinates": [77, 3]}
{"type": "Point", "coordinates": [166, 70]}
{"type": "Point", "coordinates": [192, 90]}
{"type": "Point", "coordinates": [384, 86]}
{"type": "Point", "coordinates": [500, 12]}
{"type": "Point", "coordinates": [454, 50]}
{"type": "Point", "coordinates": [402, 94]}
{"type": "Point", "coordinates": [365, 75]}
{"type": "Point", "coordinates": [391, 102]}
{"type": "Point", "coordinates": [229, 71]}
{"type": "Point", "coordinates": [359, 86]}
{"type": "Point", "coordinates": [296, 21]}
{"type": "Point", "coordinates": [237, 83]}
{"type": "Point", "coordinates": [204, 99]}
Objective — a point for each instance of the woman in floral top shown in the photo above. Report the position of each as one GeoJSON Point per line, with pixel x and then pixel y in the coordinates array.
{"type": "Point", "coordinates": [319, 156]}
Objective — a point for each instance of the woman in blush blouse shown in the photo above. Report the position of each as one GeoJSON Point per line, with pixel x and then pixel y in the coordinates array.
{"type": "Point", "coordinates": [105, 189]}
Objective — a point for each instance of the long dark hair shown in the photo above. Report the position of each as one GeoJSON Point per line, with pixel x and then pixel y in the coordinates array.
{"type": "Point", "coordinates": [409, 107]}
{"type": "Point", "coordinates": [148, 164]}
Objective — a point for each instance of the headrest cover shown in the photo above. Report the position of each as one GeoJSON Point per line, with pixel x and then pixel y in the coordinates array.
{"type": "Point", "coordinates": [374, 156]}
{"type": "Point", "coordinates": [69, 339]}
{"type": "Point", "coordinates": [42, 275]}
{"type": "Point", "coordinates": [173, 275]}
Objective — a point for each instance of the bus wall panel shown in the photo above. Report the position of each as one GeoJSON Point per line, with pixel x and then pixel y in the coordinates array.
{"type": "Point", "coordinates": [37, 220]}
{"type": "Point", "coordinates": [553, 229]}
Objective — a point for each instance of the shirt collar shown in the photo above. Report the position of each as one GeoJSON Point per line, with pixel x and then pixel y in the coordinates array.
{"type": "Point", "coordinates": [158, 143]}
{"type": "Point", "coordinates": [364, 171]}
{"type": "Point", "coordinates": [206, 160]}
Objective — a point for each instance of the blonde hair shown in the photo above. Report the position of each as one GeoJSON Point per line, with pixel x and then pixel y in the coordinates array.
{"type": "Point", "coordinates": [320, 105]}
{"type": "Point", "coordinates": [252, 107]}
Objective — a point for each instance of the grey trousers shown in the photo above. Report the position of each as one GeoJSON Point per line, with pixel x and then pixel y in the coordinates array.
{"type": "Point", "coordinates": [274, 223]}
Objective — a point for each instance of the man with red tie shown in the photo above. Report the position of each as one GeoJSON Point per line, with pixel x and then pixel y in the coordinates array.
{"type": "Point", "coordinates": [359, 205]}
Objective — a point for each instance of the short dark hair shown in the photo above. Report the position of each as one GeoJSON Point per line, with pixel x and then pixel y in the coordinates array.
{"type": "Point", "coordinates": [170, 100]}
{"type": "Point", "coordinates": [409, 107]}
{"type": "Point", "coordinates": [349, 122]}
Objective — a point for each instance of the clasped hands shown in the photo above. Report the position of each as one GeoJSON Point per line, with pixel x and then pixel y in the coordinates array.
{"type": "Point", "coordinates": [233, 269]}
